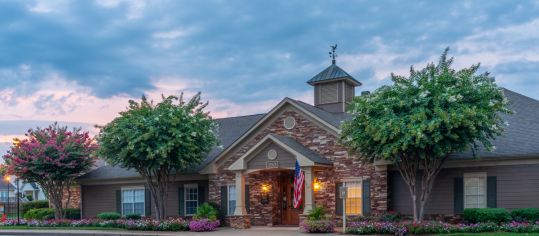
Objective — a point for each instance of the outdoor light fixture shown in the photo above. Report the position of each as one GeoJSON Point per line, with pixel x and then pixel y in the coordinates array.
{"type": "Point", "coordinates": [265, 194]}
{"type": "Point", "coordinates": [317, 185]}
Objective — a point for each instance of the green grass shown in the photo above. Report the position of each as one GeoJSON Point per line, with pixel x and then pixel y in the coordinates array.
{"type": "Point", "coordinates": [61, 228]}
{"type": "Point", "coordinates": [495, 234]}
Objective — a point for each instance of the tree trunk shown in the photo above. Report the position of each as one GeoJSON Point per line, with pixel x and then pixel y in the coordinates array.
{"type": "Point", "coordinates": [157, 182]}
{"type": "Point", "coordinates": [55, 193]}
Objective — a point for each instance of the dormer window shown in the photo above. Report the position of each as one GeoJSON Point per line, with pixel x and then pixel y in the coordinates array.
{"type": "Point", "coordinates": [329, 93]}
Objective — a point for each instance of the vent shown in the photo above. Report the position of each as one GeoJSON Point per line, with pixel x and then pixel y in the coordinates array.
{"type": "Point", "coordinates": [329, 93]}
{"type": "Point", "coordinates": [289, 122]}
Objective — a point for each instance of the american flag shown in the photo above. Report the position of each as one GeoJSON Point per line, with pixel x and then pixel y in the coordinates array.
{"type": "Point", "coordinates": [299, 180]}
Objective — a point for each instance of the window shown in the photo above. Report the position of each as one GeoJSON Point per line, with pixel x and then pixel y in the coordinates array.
{"type": "Point", "coordinates": [353, 198]}
{"type": "Point", "coordinates": [329, 93]}
{"type": "Point", "coordinates": [231, 199]}
{"type": "Point", "coordinates": [3, 196]}
{"type": "Point", "coordinates": [475, 190]}
{"type": "Point", "coordinates": [191, 199]}
{"type": "Point", "coordinates": [133, 201]}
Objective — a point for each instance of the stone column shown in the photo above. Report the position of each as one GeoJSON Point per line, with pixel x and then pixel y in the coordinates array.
{"type": "Point", "coordinates": [240, 194]}
{"type": "Point", "coordinates": [309, 198]}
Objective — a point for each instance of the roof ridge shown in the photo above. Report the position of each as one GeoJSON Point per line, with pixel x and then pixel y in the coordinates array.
{"type": "Point", "coordinates": [230, 117]}
{"type": "Point", "coordinates": [520, 94]}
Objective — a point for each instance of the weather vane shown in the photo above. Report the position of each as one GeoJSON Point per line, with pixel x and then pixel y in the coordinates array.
{"type": "Point", "coordinates": [333, 54]}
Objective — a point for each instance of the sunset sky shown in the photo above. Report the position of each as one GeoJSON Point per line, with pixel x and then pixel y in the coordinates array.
{"type": "Point", "coordinates": [80, 61]}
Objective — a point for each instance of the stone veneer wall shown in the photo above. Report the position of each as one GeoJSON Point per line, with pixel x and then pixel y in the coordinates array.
{"type": "Point", "coordinates": [312, 136]}
{"type": "Point", "coordinates": [74, 201]}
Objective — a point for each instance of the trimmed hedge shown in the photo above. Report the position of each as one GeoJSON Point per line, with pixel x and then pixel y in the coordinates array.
{"type": "Point", "coordinates": [109, 216]}
{"type": "Point", "coordinates": [25, 206]}
{"type": "Point", "coordinates": [525, 214]}
{"type": "Point", "coordinates": [133, 216]}
{"type": "Point", "coordinates": [483, 215]}
{"type": "Point", "coordinates": [48, 213]}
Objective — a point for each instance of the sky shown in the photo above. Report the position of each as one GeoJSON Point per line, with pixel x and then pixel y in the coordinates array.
{"type": "Point", "coordinates": [79, 62]}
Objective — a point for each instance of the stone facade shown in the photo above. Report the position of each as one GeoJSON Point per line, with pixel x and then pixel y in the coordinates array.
{"type": "Point", "coordinates": [74, 200]}
{"type": "Point", "coordinates": [313, 136]}
{"type": "Point", "coordinates": [240, 222]}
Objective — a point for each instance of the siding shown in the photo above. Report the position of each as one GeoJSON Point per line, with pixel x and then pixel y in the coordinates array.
{"type": "Point", "coordinates": [285, 158]}
{"type": "Point", "coordinates": [517, 187]}
{"type": "Point", "coordinates": [102, 198]}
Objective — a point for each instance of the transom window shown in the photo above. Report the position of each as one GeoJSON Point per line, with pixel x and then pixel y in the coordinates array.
{"type": "Point", "coordinates": [353, 198]}
{"type": "Point", "coordinates": [231, 199]}
{"type": "Point", "coordinates": [475, 190]}
{"type": "Point", "coordinates": [191, 199]}
{"type": "Point", "coordinates": [133, 201]}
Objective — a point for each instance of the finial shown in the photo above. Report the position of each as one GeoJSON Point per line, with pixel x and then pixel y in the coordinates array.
{"type": "Point", "coordinates": [333, 54]}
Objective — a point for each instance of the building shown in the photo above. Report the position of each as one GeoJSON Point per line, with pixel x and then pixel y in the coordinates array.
{"type": "Point", "coordinates": [251, 175]}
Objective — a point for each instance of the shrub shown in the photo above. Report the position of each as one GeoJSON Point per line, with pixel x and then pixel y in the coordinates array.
{"type": "Point", "coordinates": [389, 216]}
{"type": "Point", "coordinates": [39, 214]}
{"type": "Point", "coordinates": [25, 206]}
{"type": "Point", "coordinates": [317, 226]}
{"type": "Point", "coordinates": [480, 215]}
{"type": "Point", "coordinates": [72, 213]}
{"type": "Point", "coordinates": [220, 214]}
{"type": "Point", "coordinates": [109, 215]}
{"type": "Point", "coordinates": [133, 216]}
{"type": "Point", "coordinates": [525, 214]}
{"type": "Point", "coordinates": [206, 211]}
{"type": "Point", "coordinates": [203, 225]}
{"type": "Point", "coordinates": [317, 213]}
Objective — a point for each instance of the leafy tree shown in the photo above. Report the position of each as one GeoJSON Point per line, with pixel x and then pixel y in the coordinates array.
{"type": "Point", "coordinates": [52, 157]}
{"type": "Point", "coordinates": [159, 141]}
{"type": "Point", "coordinates": [419, 120]}
{"type": "Point", "coordinates": [3, 170]}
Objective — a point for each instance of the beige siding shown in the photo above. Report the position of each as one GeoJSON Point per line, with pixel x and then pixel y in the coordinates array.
{"type": "Point", "coordinates": [284, 158]}
{"type": "Point", "coordinates": [517, 187]}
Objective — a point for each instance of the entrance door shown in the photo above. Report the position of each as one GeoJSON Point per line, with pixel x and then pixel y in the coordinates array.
{"type": "Point", "coordinates": [290, 215]}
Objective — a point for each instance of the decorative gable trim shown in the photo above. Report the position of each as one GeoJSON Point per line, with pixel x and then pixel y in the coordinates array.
{"type": "Point", "coordinates": [211, 167]}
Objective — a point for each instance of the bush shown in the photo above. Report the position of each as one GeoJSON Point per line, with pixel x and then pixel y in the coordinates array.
{"type": "Point", "coordinates": [133, 217]}
{"type": "Point", "coordinates": [72, 213]}
{"type": "Point", "coordinates": [525, 214]}
{"type": "Point", "coordinates": [481, 215]}
{"type": "Point", "coordinates": [317, 226]}
{"type": "Point", "coordinates": [389, 217]}
{"type": "Point", "coordinates": [39, 214]}
{"type": "Point", "coordinates": [203, 225]}
{"type": "Point", "coordinates": [206, 211]}
{"type": "Point", "coordinates": [317, 213]}
{"type": "Point", "coordinates": [220, 214]}
{"type": "Point", "coordinates": [109, 215]}
{"type": "Point", "coordinates": [25, 206]}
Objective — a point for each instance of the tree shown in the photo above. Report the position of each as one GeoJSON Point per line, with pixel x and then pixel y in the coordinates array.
{"type": "Point", "coordinates": [420, 120]}
{"type": "Point", "coordinates": [158, 141]}
{"type": "Point", "coordinates": [52, 157]}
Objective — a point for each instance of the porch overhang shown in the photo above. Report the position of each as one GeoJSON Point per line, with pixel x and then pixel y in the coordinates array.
{"type": "Point", "coordinates": [304, 156]}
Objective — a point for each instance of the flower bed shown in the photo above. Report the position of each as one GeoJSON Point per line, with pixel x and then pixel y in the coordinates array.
{"type": "Point", "coordinates": [435, 227]}
{"type": "Point", "coordinates": [172, 224]}
{"type": "Point", "coordinates": [317, 226]}
{"type": "Point", "coordinates": [202, 225]}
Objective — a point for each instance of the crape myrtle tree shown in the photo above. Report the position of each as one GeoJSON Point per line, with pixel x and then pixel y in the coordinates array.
{"type": "Point", "coordinates": [159, 141]}
{"type": "Point", "coordinates": [53, 157]}
{"type": "Point", "coordinates": [420, 120]}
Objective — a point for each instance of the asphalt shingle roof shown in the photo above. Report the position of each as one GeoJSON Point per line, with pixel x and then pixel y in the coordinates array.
{"type": "Point", "coordinates": [298, 147]}
{"type": "Point", "coordinates": [332, 72]}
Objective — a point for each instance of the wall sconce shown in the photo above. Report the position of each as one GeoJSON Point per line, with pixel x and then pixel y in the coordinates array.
{"type": "Point", "coordinates": [265, 194]}
{"type": "Point", "coordinates": [317, 185]}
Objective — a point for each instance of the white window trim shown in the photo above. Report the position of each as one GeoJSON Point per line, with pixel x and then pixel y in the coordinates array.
{"type": "Point", "coordinates": [353, 180]}
{"type": "Point", "coordinates": [482, 175]}
{"type": "Point", "coordinates": [185, 186]}
{"type": "Point", "coordinates": [132, 188]}
{"type": "Point", "coordinates": [228, 199]}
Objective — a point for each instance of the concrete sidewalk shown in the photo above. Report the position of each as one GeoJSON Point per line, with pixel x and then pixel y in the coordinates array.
{"type": "Point", "coordinates": [258, 231]}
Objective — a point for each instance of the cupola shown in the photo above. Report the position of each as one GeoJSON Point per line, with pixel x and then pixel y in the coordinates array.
{"type": "Point", "coordinates": [333, 87]}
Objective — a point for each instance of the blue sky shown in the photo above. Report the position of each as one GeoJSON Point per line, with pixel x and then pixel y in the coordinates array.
{"type": "Point", "coordinates": [80, 61]}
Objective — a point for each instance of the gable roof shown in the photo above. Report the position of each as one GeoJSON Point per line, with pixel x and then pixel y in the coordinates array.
{"type": "Point", "coordinates": [298, 147]}
{"type": "Point", "coordinates": [332, 72]}
{"type": "Point", "coordinates": [521, 137]}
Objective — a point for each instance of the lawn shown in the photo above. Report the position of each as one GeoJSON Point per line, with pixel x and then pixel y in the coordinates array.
{"type": "Point", "coordinates": [495, 234]}
{"type": "Point", "coordinates": [61, 228]}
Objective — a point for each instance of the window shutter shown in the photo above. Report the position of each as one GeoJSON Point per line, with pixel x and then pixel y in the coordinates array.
{"type": "Point", "coordinates": [458, 194]}
{"type": "Point", "coordinates": [491, 192]}
{"type": "Point", "coordinates": [224, 200]}
{"type": "Point", "coordinates": [201, 194]}
{"type": "Point", "coordinates": [181, 199]}
{"type": "Point", "coordinates": [338, 200]}
{"type": "Point", "coordinates": [147, 202]}
{"type": "Point", "coordinates": [119, 201]}
{"type": "Point", "coordinates": [366, 195]}
{"type": "Point", "coordinates": [247, 199]}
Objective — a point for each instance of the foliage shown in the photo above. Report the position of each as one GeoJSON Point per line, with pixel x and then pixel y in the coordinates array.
{"type": "Point", "coordinates": [3, 170]}
{"type": "Point", "coordinates": [419, 120]}
{"type": "Point", "coordinates": [133, 217]}
{"type": "Point", "coordinates": [317, 226]}
{"type": "Point", "coordinates": [390, 216]}
{"type": "Point", "coordinates": [203, 225]}
{"type": "Point", "coordinates": [171, 224]}
{"type": "Point", "coordinates": [436, 227]}
{"type": "Point", "coordinates": [48, 213]}
{"type": "Point", "coordinates": [525, 214]}
{"type": "Point", "coordinates": [25, 206]}
{"type": "Point", "coordinates": [157, 140]}
{"type": "Point", "coordinates": [53, 157]}
{"type": "Point", "coordinates": [220, 214]}
{"type": "Point", "coordinates": [109, 216]}
{"type": "Point", "coordinates": [72, 213]}
{"type": "Point", "coordinates": [206, 211]}
{"type": "Point", "coordinates": [317, 213]}
{"type": "Point", "coordinates": [481, 215]}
